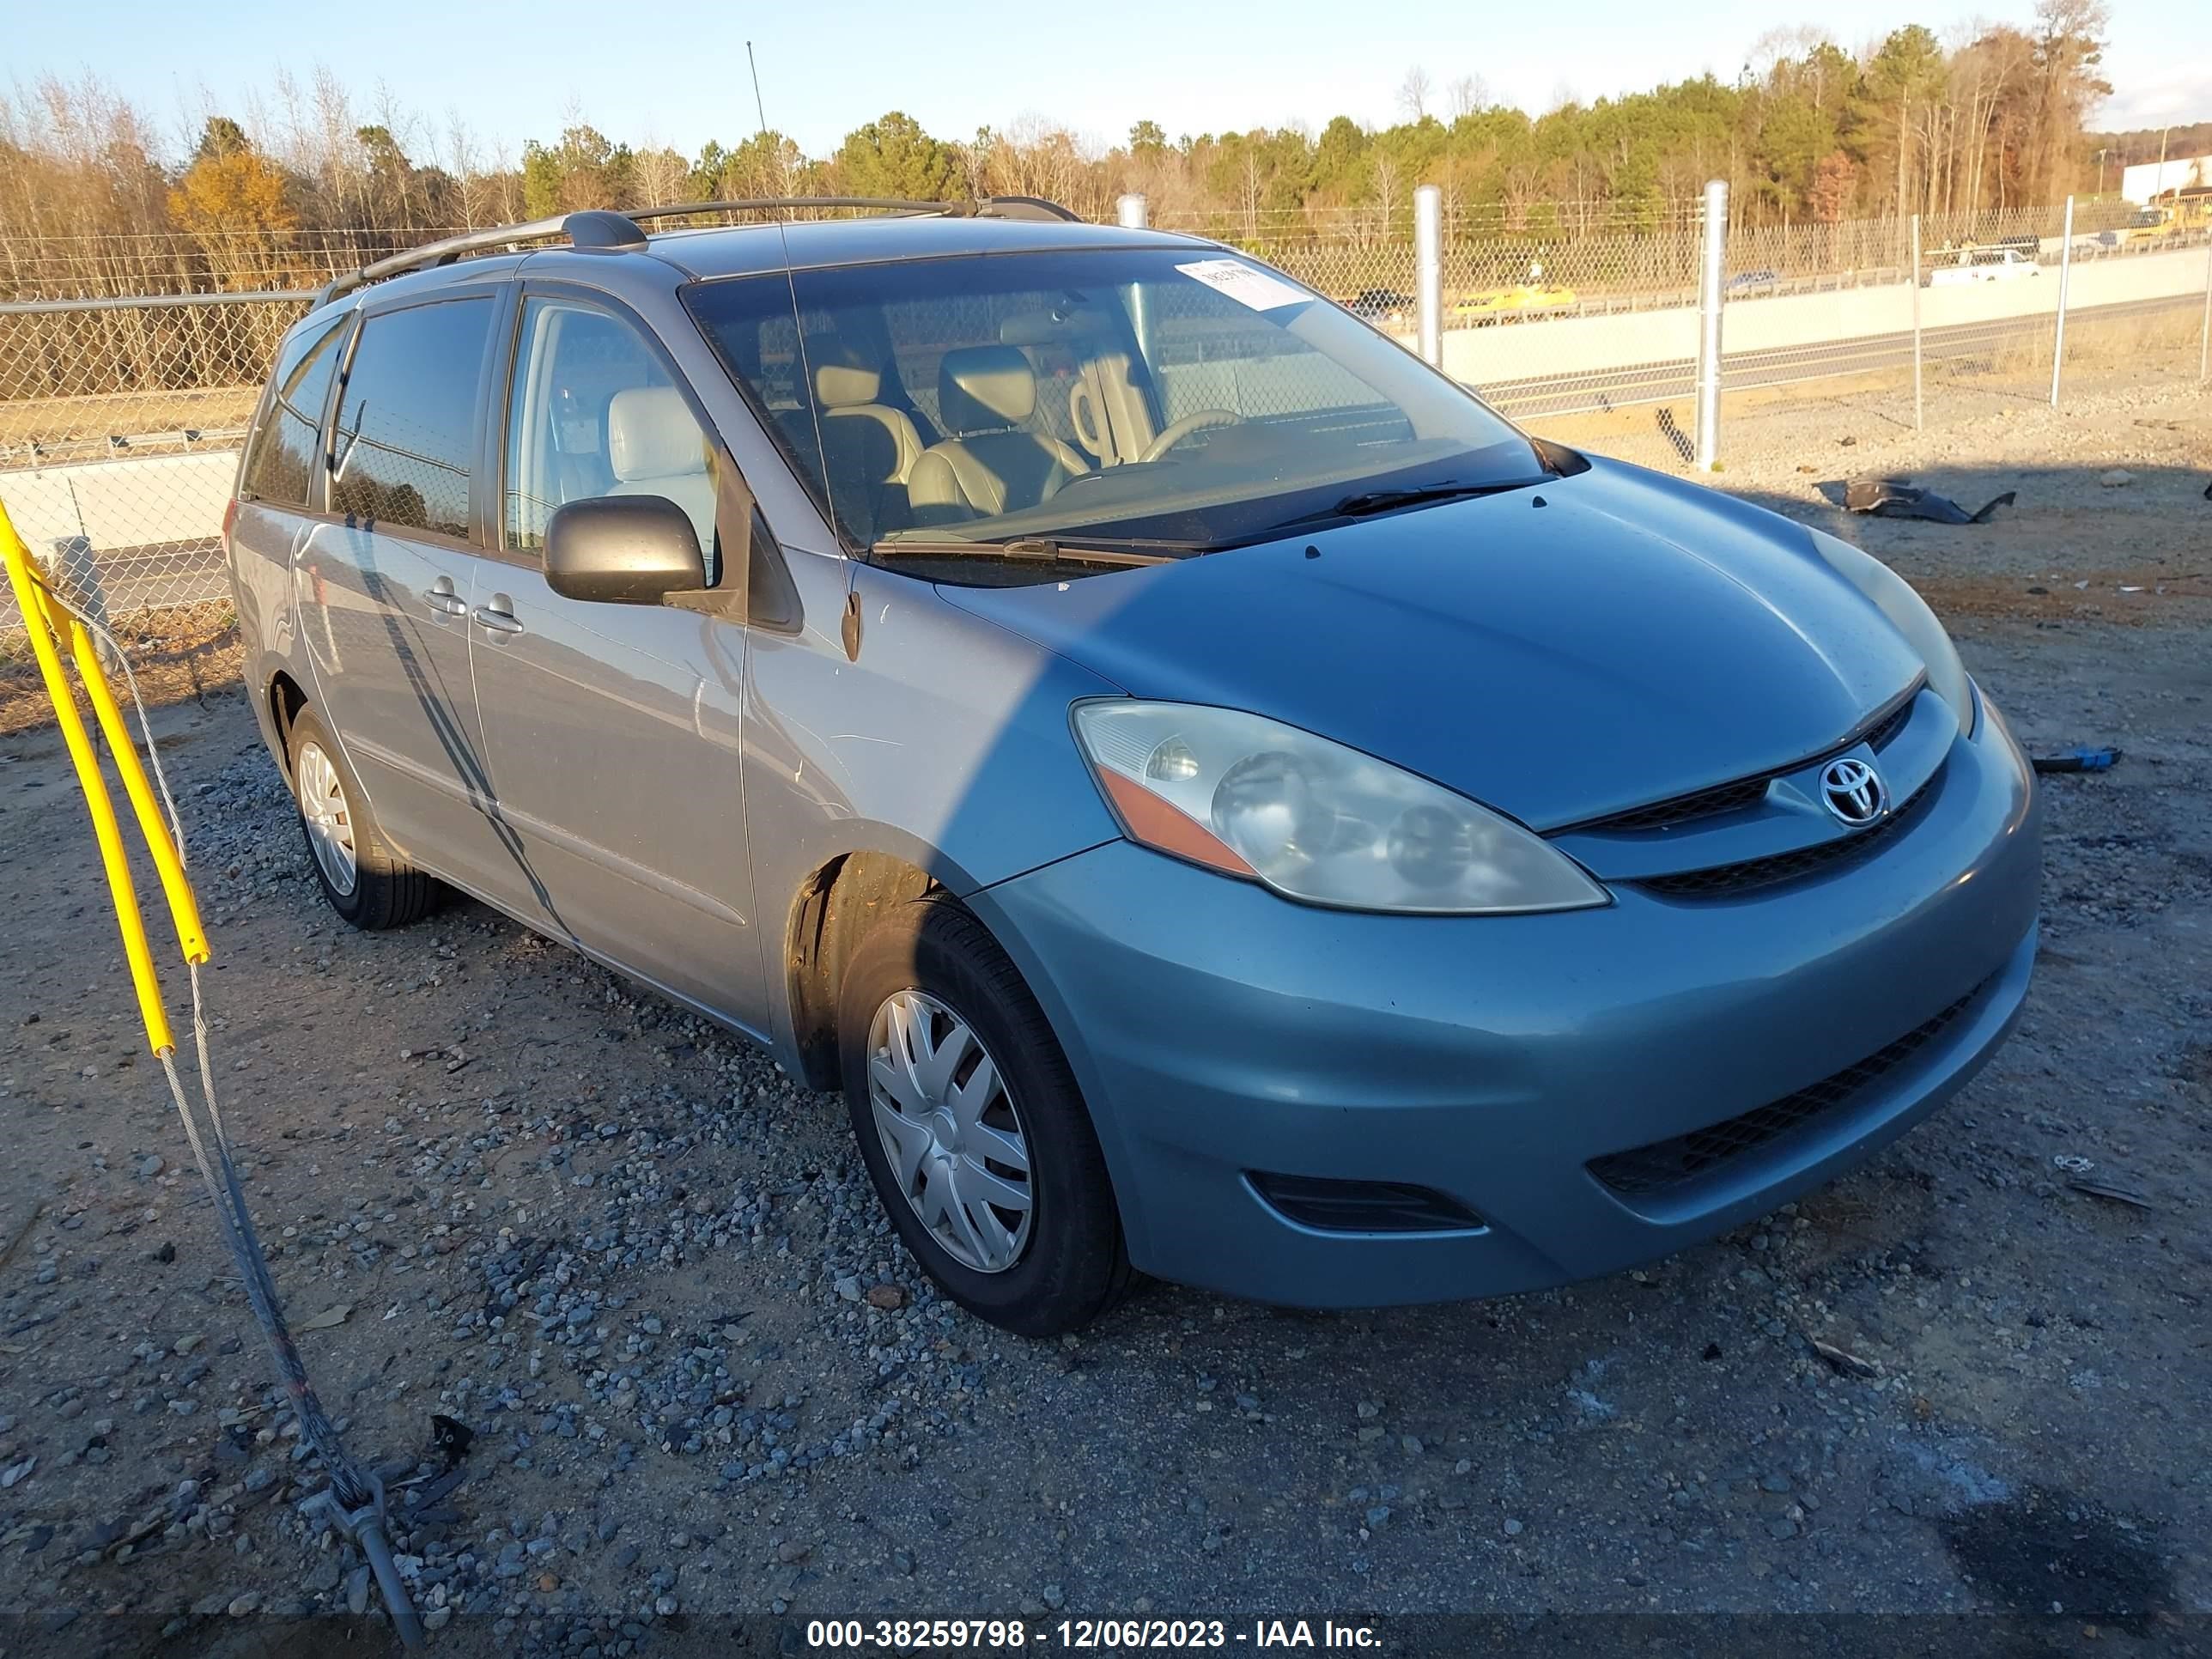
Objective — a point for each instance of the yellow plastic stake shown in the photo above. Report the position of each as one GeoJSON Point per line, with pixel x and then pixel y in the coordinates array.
{"type": "Point", "coordinates": [184, 907]}
{"type": "Point", "coordinates": [45, 645]}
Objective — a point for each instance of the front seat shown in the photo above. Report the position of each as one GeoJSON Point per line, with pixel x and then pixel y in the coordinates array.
{"type": "Point", "coordinates": [655, 447]}
{"type": "Point", "coordinates": [992, 463]}
{"type": "Point", "coordinates": [868, 447]}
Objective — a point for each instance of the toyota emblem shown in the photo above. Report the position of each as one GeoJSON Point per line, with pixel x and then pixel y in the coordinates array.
{"type": "Point", "coordinates": [1854, 792]}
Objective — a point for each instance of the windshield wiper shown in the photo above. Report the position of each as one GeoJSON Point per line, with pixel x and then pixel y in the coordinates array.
{"type": "Point", "coordinates": [1041, 550]}
{"type": "Point", "coordinates": [1369, 502]}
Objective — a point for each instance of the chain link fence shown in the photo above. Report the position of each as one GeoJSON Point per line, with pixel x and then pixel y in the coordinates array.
{"type": "Point", "coordinates": [122, 407]}
{"type": "Point", "coordinates": [120, 422]}
{"type": "Point", "coordinates": [1585, 325]}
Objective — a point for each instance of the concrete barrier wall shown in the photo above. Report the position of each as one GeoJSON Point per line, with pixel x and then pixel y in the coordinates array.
{"type": "Point", "coordinates": [139, 503]}
{"type": "Point", "coordinates": [1583, 345]}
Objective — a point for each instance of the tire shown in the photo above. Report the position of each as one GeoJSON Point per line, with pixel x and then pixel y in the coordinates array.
{"type": "Point", "coordinates": [935, 968]}
{"type": "Point", "coordinates": [384, 890]}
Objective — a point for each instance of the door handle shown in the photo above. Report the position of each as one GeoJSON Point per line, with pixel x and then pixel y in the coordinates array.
{"type": "Point", "coordinates": [497, 616]}
{"type": "Point", "coordinates": [442, 599]}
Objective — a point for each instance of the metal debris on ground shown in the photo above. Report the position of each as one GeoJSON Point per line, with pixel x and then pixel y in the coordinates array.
{"type": "Point", "coordinates": [1896, 498]}
{"type": "Point", "coordinates": [450, 1438]}
{"type": "Point", "coordinates": [2105, 1190]}
{"type": "Point", "coordinates": [2078, 760]}
{"type": "Point", "coordinates": [1843, 1360]}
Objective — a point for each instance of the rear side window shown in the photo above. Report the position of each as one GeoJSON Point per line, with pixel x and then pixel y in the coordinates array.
{"type": "Point", "coordinates": [282, 468]}
{"type": "Point", "coordinates": [405, 440]}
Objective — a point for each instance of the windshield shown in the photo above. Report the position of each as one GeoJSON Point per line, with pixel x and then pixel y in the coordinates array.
{"type": "Point", "coordinates": [1183, 397]}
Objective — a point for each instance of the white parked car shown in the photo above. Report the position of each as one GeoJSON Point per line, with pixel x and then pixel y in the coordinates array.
{"type": "Point", "coordinates": [1983, 264]}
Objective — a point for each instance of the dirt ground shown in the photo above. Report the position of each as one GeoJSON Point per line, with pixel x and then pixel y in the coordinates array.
{"type": "Point", "coordinates": [706, 1387]}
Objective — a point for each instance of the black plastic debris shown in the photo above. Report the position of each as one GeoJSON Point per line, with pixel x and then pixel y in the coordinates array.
{"type": "Point", "coordinates": [1894, 498]}
{"type": "Point", "coordinates": [2077, 760]}
{"type": "Point", "coordinates": [450, 1439]}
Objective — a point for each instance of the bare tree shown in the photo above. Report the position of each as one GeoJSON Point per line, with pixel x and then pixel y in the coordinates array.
{"type": "Point", "coordinates": [659, 173]}
{"type": "Point", "coordinates": [2068, 44]}
{"type": "Point", "coordinates": [1468, 94]}
{"type": "Point", "coordinates": [507, 184]}
{"type": "Point", "coordinates": [471, 192]}
{"type": "Point", "coordinates": [1389, 190]}
{"type": "Point", "coordinates": [1413, 93]}
{"type": "Point", "coordinates": [1779, 45]}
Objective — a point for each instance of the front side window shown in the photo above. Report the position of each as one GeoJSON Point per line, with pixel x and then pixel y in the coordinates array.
{"type": "Point", "coordinates": [1160, 393]}
{"type": "Point", "coordinates": [404, 441]}
{"type": "Point", "coordinates": [594, 412]}
{"type": "Point", "coordinates": [281, 469]}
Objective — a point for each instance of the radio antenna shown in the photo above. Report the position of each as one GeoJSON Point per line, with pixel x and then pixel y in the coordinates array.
{"type": "Point", "coordinates": [759, 108]}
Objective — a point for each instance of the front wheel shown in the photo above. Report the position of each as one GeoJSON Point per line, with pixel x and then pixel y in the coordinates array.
{"type": "Point", "coordinates": [972, 1128]}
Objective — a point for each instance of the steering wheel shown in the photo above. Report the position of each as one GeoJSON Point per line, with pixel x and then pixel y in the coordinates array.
{"type": "Point", "coordinates": [1197, 421]}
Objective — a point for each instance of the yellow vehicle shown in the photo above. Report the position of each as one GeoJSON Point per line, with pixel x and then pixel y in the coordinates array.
{"type": "Point", "coordinates": [1533, 295]}
{"type": "Point", "coordinates": [2149, 224]}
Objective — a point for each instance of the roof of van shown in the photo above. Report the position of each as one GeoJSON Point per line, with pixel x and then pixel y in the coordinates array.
{"type": "Point", "coordinates": [745, 250]}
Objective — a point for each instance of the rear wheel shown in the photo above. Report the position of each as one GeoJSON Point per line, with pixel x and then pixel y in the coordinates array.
{"type": "Point", "coordinates": [363, 879]}
{"type": "Point", "coordinates": [972, 1128]}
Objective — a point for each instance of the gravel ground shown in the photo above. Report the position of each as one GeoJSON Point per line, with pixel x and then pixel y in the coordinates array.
{"type": "Point", "coordinates": [500, 1184]}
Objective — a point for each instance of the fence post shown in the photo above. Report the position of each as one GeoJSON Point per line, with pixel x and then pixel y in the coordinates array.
{"type": "Point", "coordinates": [2065, 274]}
{"type": "Point", "coordinates": [1711, 283]}
{"type": "Point", "coordinates": [1129, 210]}
{"type": "Point", "coordinates": [72, 571]}
{"type": "Point", "coordinates": [2204, 329]}
{"type": "Point", "coordinates": [1429, 270]}
{"type": "Point", "coordinates": [1916, 410]}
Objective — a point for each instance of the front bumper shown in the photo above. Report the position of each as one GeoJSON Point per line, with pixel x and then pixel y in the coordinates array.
{"type": "Point", "coordinates": [1218, 1031]}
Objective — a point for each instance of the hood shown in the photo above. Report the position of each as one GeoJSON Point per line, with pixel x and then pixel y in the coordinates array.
{"type": "Point", "coordinates": [1630, 638]}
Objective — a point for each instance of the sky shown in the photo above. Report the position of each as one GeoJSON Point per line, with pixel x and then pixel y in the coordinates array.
{"type": "Point", "coordinates": [675, 72]}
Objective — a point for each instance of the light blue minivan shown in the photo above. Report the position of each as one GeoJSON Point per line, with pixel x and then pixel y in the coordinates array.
{"type": "Point", "coordinates": [1217, 799]}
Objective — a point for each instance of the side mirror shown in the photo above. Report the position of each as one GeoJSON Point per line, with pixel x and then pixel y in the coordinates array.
{"type": "Point", "coordinates": [623, 549]}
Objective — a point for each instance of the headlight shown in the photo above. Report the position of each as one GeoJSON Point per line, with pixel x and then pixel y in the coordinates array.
{"type": "Point", "coordinates": [1312, 819]}
{"type": "Point", "coordinates": [1909, 613]}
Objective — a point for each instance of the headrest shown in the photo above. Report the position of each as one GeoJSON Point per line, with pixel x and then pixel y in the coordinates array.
{"type": "Point", "coordinates": [841, 377]}
{"type": "Point", "coordinates": [985, 389]}
{"type": "Point", "coordinates": [652, 433]}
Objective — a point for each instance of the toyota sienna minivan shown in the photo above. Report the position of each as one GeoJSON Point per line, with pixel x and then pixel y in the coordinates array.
{"type": "Point", "coordinates": [1217, 799]}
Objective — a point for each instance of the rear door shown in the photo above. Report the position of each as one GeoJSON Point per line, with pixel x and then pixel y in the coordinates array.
{"type": "Point", "coordinates": [613, 729]}
{"type": "Point", "coordinates": [387, 580]}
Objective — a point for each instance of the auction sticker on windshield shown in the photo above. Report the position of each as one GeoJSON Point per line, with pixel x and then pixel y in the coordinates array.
{"type": "Point", "coordinates": [1241, 283]}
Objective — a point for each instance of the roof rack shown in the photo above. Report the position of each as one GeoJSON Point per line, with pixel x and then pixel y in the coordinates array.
{"type": "Point", "coordinates": [599, 227]}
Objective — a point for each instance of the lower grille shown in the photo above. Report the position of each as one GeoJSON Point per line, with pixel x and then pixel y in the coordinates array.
{"type": "Point", "coordinates": [1665, 1164]}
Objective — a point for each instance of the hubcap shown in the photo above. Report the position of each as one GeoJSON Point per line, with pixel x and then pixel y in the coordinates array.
{"type": "Point", "coordinates": [949, 1130]}
{"type": "Point", "coordinates": [329, 820]}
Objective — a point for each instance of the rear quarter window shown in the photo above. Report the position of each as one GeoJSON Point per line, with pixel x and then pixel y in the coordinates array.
{"type": "Point", "coordinates": [281, 453]}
